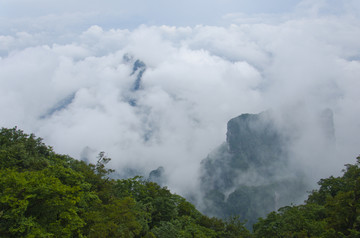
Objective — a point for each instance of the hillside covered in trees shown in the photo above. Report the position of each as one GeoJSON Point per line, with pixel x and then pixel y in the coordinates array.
{"type": "Point", "coordinates": [331, 211]}
{"type": "Point", "coordinates": [44, 194]}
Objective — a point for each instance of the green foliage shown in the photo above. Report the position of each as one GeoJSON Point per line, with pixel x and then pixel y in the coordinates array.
{"type": "Point", "coordinates": [33, 200]}
{"type": "Point", "coordinates": [22, 151]}
{"type": "Point", "coordinates": [331, 211]}
{"type": "Point", "coordinates": [44, 194]}
{"type": "Point", "coordinates": [292, 221]}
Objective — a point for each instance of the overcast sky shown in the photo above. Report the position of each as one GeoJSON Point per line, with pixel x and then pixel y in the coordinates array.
{"type": "Point", "coordinates": [66, 75]}
{"type": "Point", "coordinates": [127, 14]}
{"type": "Point", "coordinates": [69, 15]}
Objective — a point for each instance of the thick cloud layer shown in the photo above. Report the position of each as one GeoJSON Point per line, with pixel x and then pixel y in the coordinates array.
{"type": "Point", "coordinates": [161, 96]}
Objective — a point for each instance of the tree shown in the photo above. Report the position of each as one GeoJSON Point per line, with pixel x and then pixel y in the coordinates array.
{"type": "Point", "coordinates": [44, 194]}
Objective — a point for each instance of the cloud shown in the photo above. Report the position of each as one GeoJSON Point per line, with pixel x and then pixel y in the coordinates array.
{"type": "Point", "coordinates": [72, 17]}
{"type": "Point", "coordinates": [75, 90]}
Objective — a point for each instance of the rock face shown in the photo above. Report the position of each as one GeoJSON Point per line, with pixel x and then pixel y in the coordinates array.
{"type": "Point", "coordinates": [248, 175]}
{"type": "Point", "coordinates": [157, 176]}
{"type": "Point", "coordinates": [249, 133]}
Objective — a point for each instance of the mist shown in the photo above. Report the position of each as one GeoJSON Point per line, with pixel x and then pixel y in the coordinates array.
{"type": "Point", "coordinates": [161, 95]}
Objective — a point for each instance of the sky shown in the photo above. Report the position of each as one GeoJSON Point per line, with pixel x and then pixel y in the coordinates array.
{"type": "Point", "coordinates": [78, 15]}
{"type": "Point", "coordinates": [67, 75]}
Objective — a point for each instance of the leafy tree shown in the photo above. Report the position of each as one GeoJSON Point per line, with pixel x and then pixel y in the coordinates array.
{"type": "Point", "coordinates": [44, 194]}
{"type": "Point", "coordinates": [331, 211]}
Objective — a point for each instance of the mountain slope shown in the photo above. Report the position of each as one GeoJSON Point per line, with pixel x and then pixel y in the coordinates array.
{"type": "Point", "coordinates": [44, 194]}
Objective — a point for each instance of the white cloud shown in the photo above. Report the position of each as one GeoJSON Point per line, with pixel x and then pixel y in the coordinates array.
{"type": "Point", "coordinates": [75, 89]}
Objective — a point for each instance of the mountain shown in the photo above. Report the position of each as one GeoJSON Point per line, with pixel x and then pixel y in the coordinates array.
{"type": "Point", "coordinates": [250, 174]}
{"type": "Point", "coordinates": [157, 176]}
{"type": "Point", "coordinates": [44, 194]}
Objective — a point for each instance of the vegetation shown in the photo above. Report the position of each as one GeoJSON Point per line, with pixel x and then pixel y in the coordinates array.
{"type": "Point", "coordinates": [44, 194]}
{"type": "Point", "coordinates": [331, 211]}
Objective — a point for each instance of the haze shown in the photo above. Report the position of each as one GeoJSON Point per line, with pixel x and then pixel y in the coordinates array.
{"type": "Point", "coordinates": [67, 75]}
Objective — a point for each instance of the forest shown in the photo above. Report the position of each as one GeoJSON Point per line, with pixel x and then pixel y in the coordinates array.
{"type": "Point", "coordinates": [45, 194]}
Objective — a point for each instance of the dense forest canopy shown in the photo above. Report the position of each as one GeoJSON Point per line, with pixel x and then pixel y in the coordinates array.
{"type": "Point", "coordinates": [45, 194]}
